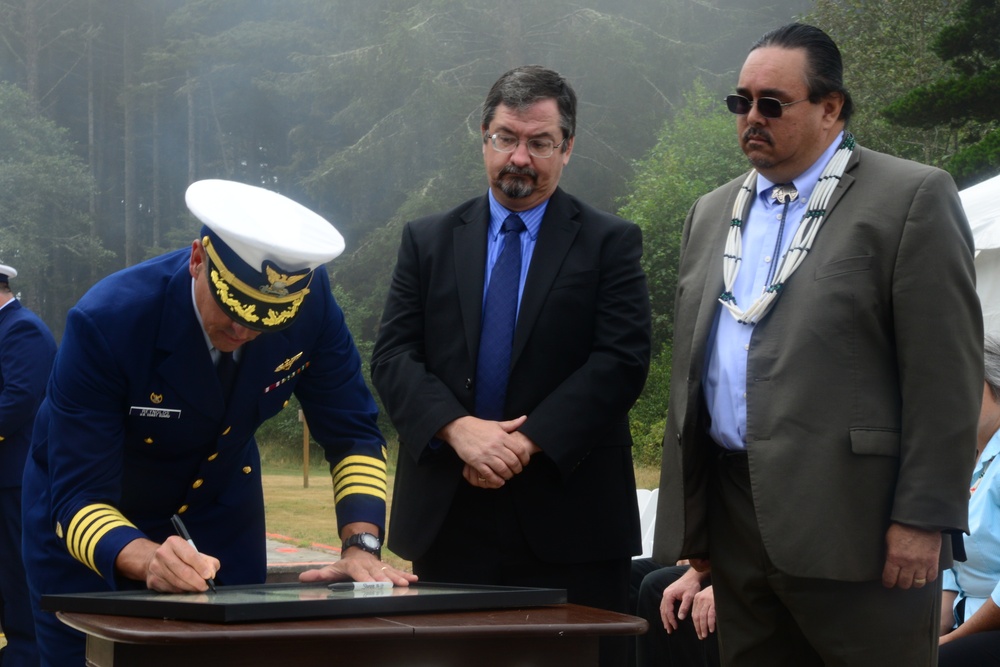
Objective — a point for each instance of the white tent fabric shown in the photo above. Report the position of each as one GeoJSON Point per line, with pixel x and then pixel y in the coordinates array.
{"type": "Point", "coordinates": [982, 206]}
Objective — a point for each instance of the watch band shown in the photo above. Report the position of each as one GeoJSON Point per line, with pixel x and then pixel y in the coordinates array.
{"type": "Point", "coordinates": [364, 541]}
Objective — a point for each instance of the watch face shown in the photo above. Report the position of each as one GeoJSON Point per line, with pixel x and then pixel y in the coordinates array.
{"type": "Point", "coordinates": [370, 541]}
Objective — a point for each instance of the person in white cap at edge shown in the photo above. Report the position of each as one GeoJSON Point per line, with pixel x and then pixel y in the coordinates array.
{"type": "Point", "coordinates": [137, 425]}
{"type": "Point", "coordinates": [26, 352]}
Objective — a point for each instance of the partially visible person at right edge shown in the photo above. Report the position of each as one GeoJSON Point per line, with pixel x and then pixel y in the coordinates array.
{"type": "Point", "coordinates": [827, 367]}
{"type": "Point", "coordinates": [970, 615]}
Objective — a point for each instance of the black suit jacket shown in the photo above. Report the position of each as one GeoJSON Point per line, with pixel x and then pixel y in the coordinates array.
{"type": "Point", "coordinates": [580, 357]}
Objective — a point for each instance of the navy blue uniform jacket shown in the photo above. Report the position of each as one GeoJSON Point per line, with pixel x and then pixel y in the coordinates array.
{"type": "Point", "coordinates": [134, 428]}
{"type": "Point", "coordinates": [26, 356]}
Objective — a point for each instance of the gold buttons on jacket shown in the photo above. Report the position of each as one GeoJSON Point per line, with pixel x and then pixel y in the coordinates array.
{"type": "Point", "coordinates": [228, 429]}
{"type": "Point", "coordinates": [148, 441]}
{"type": "Point", "coordinates": [197, 483]}
{"type": "Point", "coordinates": [213, 456]}
{"type": "Point", "coordinates": [182, 509]}
{"type": "Point", "coordinates": [247, 470]}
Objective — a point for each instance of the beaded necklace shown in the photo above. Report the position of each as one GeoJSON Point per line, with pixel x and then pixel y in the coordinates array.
{"type": "Point", "coordinates": [804, 237]}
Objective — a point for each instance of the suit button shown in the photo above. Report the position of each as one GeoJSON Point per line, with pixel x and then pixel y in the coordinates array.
{"type": "Point", "coordinates": [228, 429]}
{"type": "Point", "coordinates": [197, 483]}
{"type": "Point", "coordinates": [182, 509]}
{"type": "Point", "coordinates": [247, 470]}
{"type": "Point", "coordinates": [213, 456]}
{"type": "Point", "coordinates": [148, 441]}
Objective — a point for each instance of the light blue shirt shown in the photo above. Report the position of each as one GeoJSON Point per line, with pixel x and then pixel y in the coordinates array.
{"type": "Point", "coordinates": [532, 219]}
{"type": "Point", "coordinates": [725, 378]}
{"type": "Point", "coordinates": [978, 578]}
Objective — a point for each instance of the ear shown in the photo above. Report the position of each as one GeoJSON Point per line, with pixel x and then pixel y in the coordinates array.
{"type": "Point", "coordinates": [832, 105]}
{"type": "Point", "coordinates": [567, 149]}
{"type": "Point", "coordinates": [197, 261]}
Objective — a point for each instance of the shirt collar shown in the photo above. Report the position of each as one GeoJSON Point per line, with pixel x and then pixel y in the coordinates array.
{"type": "Point", "coordinates": [806, 182]}
{"type": "Point", "coordinates": [532, 218]}
{"type": "Point", "coordinates": [991, 449]}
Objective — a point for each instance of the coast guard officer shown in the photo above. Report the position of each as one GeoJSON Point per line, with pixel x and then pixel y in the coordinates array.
{"type": "Point", "coordinates": [26, 352]}
{"type": "Point", "coordinates": [137, 425]}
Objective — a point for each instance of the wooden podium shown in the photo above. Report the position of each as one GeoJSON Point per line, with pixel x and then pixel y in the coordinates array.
{"type": "Point", "coordinates": [549, 636]}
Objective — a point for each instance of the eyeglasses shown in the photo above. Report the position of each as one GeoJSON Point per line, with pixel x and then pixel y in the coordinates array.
{"type": "Point", "coordinates": [540, 147]}
{"type": "Point", "coordinates": [768, 107]}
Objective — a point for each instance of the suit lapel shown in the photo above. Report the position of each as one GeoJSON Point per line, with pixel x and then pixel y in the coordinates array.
{"type": "Point", "coordinates": [846, 181]}
{"type": "Point", "coordinates": [187, 365]}
{"type": "Point", "coordinates": [555, 237]}
{"type": "Point", "coordinates": [709, 260]}
{"type": "Point", "coordinates": [470, 262]}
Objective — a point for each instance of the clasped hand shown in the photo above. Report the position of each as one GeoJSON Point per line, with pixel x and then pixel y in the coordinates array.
{"type": "Point", "coordinates": [493, 452]}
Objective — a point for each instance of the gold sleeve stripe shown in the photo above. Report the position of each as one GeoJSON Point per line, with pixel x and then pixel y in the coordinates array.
{"type": "Point", "coordinates": [359, 474]}
{"type": "Point", "coordinates": [339, 493]}
{"type": "Point", "coordinates": [359, 465]}
{"type": "Point", "coordinates": [87, 528]}
{"type": "Point", "coordinates": [355, 475]}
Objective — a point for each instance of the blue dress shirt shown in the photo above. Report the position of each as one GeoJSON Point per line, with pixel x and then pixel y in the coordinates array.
{"type": "Point", "coordinates": [978, 578]}
{"type": "Point", "coordinates": [725, 379]}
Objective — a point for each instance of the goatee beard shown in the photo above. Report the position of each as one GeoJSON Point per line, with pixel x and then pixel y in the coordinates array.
{"type": "Point", "coordinates": [517, 188]}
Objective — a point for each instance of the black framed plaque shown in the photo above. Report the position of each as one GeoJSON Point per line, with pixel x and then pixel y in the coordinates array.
{"type": "Point", "coordinates": [276, 602]}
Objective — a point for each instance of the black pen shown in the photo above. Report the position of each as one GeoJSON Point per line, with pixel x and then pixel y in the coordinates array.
{"type": "Point", "coordinates": [182, 531]}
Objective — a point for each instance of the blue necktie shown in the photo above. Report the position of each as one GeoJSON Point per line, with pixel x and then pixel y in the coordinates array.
{"type": "Point", "coordinates": [499, 317]}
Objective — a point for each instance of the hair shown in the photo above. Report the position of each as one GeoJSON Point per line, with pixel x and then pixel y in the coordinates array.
{"type": "Point", "coordinates": [991, 365]}
{"type": "Point", "coordinates": [825, 68]}
{"type": "Point", "coordinates": [522, 87]}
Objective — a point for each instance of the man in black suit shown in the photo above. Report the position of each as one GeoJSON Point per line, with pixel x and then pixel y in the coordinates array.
{"type": "Point", "coordinates": [529, 483]}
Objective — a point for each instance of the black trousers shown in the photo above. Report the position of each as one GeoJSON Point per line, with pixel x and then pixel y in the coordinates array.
{"type": "Point", "coordinates": [979, 650]}
{"type": "Point", "coordinates": [482, 543]}
{"type": "Point", "coordinates": [656, 648]}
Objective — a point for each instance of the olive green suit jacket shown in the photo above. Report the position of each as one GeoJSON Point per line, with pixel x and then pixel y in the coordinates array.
{"type": "Point", "coordinates": [863, 382]}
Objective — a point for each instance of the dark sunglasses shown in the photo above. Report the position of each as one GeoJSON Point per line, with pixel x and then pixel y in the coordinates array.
{"type": "Point", "coordinates": [768, 107]}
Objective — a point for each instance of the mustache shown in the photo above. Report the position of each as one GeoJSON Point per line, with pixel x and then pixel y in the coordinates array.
{"type": "Point", "coordinates": [513, 170]}
{"type": "Point", "coordinates": [757, 133]}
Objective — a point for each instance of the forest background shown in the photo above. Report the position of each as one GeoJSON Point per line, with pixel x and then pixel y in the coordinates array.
{"type": "Point", "coordinates": [368, 112]}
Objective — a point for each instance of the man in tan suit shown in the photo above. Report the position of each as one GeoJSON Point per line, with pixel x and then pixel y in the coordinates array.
{"type": "Point", "coordinates": [826, 381]}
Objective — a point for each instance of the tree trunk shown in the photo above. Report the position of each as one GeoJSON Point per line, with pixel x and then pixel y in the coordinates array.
{"type": "Point", "coordinates": [132, 249]}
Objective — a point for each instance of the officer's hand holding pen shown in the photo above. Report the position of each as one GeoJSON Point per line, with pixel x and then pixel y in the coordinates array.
{"type": "Point", "coordinates": [186, 536]}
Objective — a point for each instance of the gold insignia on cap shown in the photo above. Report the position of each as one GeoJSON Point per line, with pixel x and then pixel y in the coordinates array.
{"type": "Point", "coordinates": [156, 398]}
{"type": "Point", "coordinates": [242, 299]}
{"type": "Point", "coordinates": [244, 311]}
{"type": "Point", "coordinates": [280, 282]}
{"type": "Point", "coordinates": [287, 363]}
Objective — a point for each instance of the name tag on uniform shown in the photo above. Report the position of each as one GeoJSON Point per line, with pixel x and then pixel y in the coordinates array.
{"type": "Point", "coordinates": [155, 413]}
